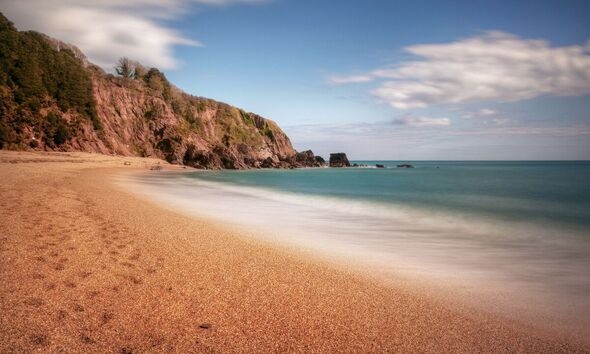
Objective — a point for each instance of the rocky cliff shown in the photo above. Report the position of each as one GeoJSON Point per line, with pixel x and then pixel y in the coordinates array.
{"type": "Point", "coordinates": [54, 99]}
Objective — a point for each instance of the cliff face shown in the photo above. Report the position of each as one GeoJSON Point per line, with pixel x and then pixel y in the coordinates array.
{"type": "Point", "coordinates": [54, 99]}
{"type": "Point", "coordinates": [148, 119]}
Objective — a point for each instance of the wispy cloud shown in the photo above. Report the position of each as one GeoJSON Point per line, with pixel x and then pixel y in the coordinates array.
{"type": "Point", "coordinates": [495, 66]}
{"type": "Point", "coordinates": [484, 112]}
{"type": "Point", "coordinates": [387, 140]}
{"type": "Point", "coordinates": [351, 79]}
{"type": "Point", "coordinates": [571, 131]}
{"type": "Point", "coordinates": [106, 30]}
{"type": "Point", "coordinates": [422, 121]}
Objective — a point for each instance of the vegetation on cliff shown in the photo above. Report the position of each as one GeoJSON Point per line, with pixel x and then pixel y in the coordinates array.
{"type": "Point", "coordinates": [53, 99]}
{"type": "Point", "coordinates": [38, 84]}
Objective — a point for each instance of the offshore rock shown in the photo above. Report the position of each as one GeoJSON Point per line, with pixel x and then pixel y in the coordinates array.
{"type": "Point", "coordinates": [339, 159]}
{"type": "Point", "coordinates": [307, 159]}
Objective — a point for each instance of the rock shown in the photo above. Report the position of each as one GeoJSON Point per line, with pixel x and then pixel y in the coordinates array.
{"type": "Point", "coordinates": [339, 159]}
{"type": "Point", "coordinates": [405, 165]}
{"type": "Point", "coordinates": [320, 160]}
{"type": "Point", "coordinates": [379, 166]}
{"type": "Point", "coordinates": [307, 159]}
{"type": "Point", "coordinates": [267, 163]}
{"type": "Point", "coordinates": [156, 168]}
{"type": "Point", "coordinates": [205, 325]}
{"type": "Point", "coordinates": [127, 163]}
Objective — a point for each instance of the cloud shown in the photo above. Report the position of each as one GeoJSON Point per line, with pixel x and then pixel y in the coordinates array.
{"type": "Point", "coordinates": [352, 79]}
{"type": "Point", "coordinates": [384, 140]}
{"type": "Point", "coordinates": [109, 29]}
{"type": "Point", "coordinates": [568, 131]}
{"type": "Point", "coordinates": [422, 121]}
{"type": "Point", "coordinates": [495, 66]}
{"type": "Point", "coordinates": [484, 112]}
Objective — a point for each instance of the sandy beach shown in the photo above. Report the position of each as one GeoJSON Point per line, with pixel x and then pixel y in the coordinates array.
{"type": "Point", "coordinates": [90, 267]}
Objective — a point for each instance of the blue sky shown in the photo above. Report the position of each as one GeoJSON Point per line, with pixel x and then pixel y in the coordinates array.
{"type": "Point", "coordinates": [376, 79]}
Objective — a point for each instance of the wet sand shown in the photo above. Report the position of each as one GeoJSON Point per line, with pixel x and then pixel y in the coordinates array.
{"type": "Point", "coordinates": [88, 267]}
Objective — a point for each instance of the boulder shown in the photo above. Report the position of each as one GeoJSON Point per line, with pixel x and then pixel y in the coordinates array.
{"type": "Point", "coordinates": [339, 159]}
{"type": "Point", "coordinates": [267, 163]}
{"type": "Point", "coordinates": [305, 159]}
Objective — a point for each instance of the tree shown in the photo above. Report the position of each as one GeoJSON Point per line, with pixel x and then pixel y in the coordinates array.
{"type": "Point", "coordinates": [61, 134]}
{"type": "Point", "coordinates": [156, 80]}
{"type": "Point", "coordinates": [125, 67]}
{"type": "Point", "coordinates": [139, 71]}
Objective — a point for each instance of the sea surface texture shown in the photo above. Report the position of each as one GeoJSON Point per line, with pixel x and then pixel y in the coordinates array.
{"type": "Point", "coordinates": [520, 230]}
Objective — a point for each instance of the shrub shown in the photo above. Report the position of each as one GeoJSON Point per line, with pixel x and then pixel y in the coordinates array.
{"type": "Point", "coordinates": [61, 134]}
{"type": "Point", "coordinates": [32, 70]}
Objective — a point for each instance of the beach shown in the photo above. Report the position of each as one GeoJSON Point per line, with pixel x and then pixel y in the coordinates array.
{"type": "Point", "coordinates": [89, 266]}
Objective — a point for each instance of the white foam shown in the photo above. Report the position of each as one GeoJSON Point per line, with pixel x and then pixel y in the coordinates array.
{"type": "Point", "coordinates": [540, 264]}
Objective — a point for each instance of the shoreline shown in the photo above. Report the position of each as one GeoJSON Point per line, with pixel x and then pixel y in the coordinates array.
{"type": "Point", "coordinates": [88, 267]}
{"type": "Point", "coordinates": [302, 225]}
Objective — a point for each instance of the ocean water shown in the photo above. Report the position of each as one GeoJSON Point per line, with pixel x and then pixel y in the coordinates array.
{"type": "Point", "coordinates": [546, 192]}
{"type": "Point", "coordinates": [521, 229]}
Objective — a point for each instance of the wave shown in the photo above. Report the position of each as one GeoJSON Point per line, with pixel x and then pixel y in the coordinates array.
{"type": "Point", "coordinates": [540, 261]}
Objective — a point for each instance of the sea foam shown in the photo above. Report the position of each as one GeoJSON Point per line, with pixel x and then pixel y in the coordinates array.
{"type": "Point", "coordinates": [538, 263]}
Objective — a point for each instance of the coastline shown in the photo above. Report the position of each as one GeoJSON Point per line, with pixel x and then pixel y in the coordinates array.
{"type": "Point", "coordinates": [90, 267]}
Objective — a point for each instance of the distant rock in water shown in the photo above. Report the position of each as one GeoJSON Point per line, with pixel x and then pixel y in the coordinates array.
{"type": "Point", "coordinates": [405, 165]}
{"type": "Point", "coordinates": [300, 159]}
{"type": "Point", "coordinates": [339, 159]}
{"type": "Point", "coordinates": [307, 159]}
{"type": "Point", "coordinates": [380, 166]}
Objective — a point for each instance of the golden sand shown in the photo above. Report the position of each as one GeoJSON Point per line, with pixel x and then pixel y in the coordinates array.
{"type": "Point", "coordinates": [87, 267]}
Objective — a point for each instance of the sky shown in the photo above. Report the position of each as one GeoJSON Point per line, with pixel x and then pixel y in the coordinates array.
{"type": "Point", "coordinates": [400, 80]}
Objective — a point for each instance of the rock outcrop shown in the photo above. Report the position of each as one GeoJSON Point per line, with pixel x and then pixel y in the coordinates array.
{"type": "Point", "coordinates": [52, 98]}
{"type": "Point", "coordinates": [307, 159]}
{"type": "Point", "coordinates": [339, 159]}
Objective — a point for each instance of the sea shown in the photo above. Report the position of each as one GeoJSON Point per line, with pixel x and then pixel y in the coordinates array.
{"type": "Point", "coordinates": [518, 231]}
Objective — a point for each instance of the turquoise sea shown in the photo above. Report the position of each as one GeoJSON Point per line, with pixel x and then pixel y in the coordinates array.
{"type": "Point", "coordinates": [520, 228]}
{"type": "Point", "coordinates": [543, 192]}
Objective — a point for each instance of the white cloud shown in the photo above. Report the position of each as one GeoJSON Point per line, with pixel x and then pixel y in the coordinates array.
{"type": "Point", "coordinates": [422, 121]}
{"type": "Point", "coordinates": [352, 79]}
{"type": "Point", "coordinates": [384, 140]}
{"type": "Point", "coordinates": [495, 66]}
{"type": "Point", "coordinates": [109, 29]}
{"type": "Point", "coordinates": [569, 131]}
{"type": "Point", "coordinates": [484, 112]}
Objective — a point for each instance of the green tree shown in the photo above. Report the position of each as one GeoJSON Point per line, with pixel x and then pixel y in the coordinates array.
{"type": "Point", "coordinates": [156, 81]}
{"type": "Point", "coordinates": [125, 67]}
{"type": "Point", "coordinates": [139, 71]}
{"type": "Point", "coordinates": [61, 134]}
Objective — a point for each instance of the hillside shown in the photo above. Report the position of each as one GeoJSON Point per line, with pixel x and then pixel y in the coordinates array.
{"type": "Point", "coordinates": [53, 99]}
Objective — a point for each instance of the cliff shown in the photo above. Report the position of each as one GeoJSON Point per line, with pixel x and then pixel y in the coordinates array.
{"type": "Point", "coordinates": [52, 98]}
